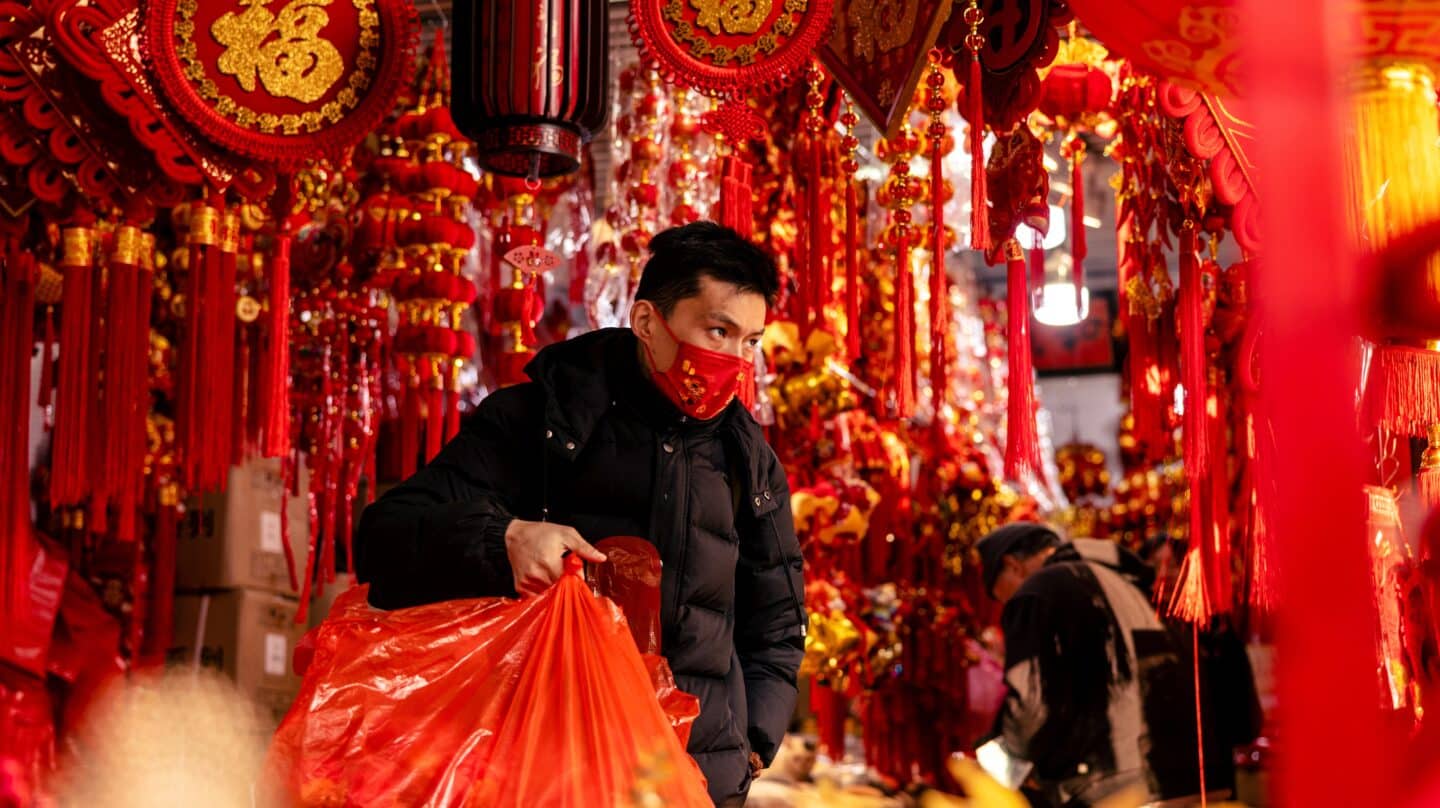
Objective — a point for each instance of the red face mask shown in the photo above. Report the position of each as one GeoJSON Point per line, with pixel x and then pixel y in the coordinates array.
{"type": "Point", "coordinates": [701, 382]}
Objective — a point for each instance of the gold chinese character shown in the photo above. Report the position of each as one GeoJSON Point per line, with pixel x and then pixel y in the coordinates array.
{"type": "Point", "coordinates": [287, 52]}
{"type": "Point", "coordinates": [735, 16]}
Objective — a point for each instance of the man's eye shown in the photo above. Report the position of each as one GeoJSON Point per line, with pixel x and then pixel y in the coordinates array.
{"type": "Point", "coordinates": [717, 332]}
{"type": "Point", "coordinates": [753, 342]}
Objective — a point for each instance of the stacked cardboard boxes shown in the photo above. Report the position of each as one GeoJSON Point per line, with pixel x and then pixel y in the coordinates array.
{"type": "Point", "coordinates": [235, 611]}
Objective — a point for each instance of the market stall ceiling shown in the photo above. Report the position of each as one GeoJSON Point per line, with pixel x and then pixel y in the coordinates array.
{"type": "Point", "coordinates": [1099, 198]}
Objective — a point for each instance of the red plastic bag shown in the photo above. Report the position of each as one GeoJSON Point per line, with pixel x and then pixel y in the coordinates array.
{"type": "Point", "coordinates": [35, 592]}
{"type": "Point", "coordinates": [488, 702]}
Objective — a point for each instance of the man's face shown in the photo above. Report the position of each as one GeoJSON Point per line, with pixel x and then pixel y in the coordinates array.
{"type": "Point", "coordinates": [1013, 573]}
{"type": "Point", "coordinates": [719, 317]}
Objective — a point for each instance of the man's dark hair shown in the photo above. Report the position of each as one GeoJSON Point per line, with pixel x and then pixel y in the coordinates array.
{"type": "Point", "coordinates": [680, 256]}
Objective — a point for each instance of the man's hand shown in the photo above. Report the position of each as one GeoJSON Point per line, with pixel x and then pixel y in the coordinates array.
{"type": "Point", "coordinates": [756, 765]}
{"type": "Point", "coordinates": [537, 553]}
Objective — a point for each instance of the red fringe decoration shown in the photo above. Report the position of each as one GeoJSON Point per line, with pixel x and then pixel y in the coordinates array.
{"type": "Point", "coordinates": [852, 272]}
{"type": "Point", "coordinates": [1217, 510]}
{"type": "Point", "coordinates": [1192, 600]}
{"type": "Point", "coordinates": [434, 419]}
{"type": "Point", "coordinates": [904, 335]}
{"type": "Point", "coordinates": [126, 375]}
{"type": "Point", "coordinates": [1078, 247]}
{"type": "Point", "coordinates": [274, 390]}
{"type": "Point", "coordinates": [1404, 387]}
{"type": "Point", "coordinates": [411, 416]}
{"type": "Point", "coordinates": [819, 236]}
{"type": "Point", "coordinates": [979, 194]}
{"type": "Point", "coordinates": [452, 411]}
{"type": "Point", "coordinates": [17, 340]}
{"type": "Point", "coordinates": [737, 200]}
{"type": "Point", "coordinates": [160, 622]}
{"type": "Point", "coordinates": [75, 388]}
{"type": "Point", "coordinates": [1194, 364]}
{"type": "Point", "coordinates": [939, 325]}
{"type": "Point", "coordinates": [47, 361]}
{"type": "Point", "coordinates": [1022, 442]}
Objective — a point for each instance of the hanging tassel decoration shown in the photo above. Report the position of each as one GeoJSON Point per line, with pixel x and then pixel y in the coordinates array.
{"type": "Point", "coordinates": [17, 300]}
{"type": "Point", "coordinates": [939, 316]}
{"type": "Point", "coordinates": [274, 393]}
{"type": "Point", "coordinates": [1022, 441]}
{"type": "Point", "coordinates": [904, 336]}
{"type": "Point", "coordinates": [75, 389]}
{"type": "Point", "coordinates": [737, 200]}
{"type": "Point", "coordinates": [975, 117]}
{"type": "Point", "coordinates": [1192, 600]}
{"type": "Point", "coordinates": [126, 365]}
{"type": "Point", "coordinates": [849, 164]}
{"type": "Point", "coordinates": [1078, 248]}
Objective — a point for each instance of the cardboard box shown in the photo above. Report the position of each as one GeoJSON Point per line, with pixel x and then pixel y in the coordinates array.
{"type": "Point", "coordinates": [248, 635]}
{"type": "Point", "coordinates": [233, 539]}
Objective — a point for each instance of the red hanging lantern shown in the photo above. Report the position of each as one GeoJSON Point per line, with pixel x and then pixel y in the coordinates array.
{"type": "Point", "coordinates": [531, 82]}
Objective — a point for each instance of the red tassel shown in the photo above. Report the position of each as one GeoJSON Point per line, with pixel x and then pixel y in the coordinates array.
{"type": "Point", "coordinates": [1217, 510]}
{"type": "Point", "coordinates": [434, 419]}
{"type": "Point", "coordinates": [1194, 365]}
{"type": "Point", "coordinates": [819, 235]}
{"type": "Point", "coordinates": [75, 389]}
{"type": "Point", "coordinates": [979, 194]}
{"type": "Point", "coordinates": [1428, 478]}
{"type": "Point", "coordinates": [1191, 602]}
{"type": "Point", "coordinates": [126, 372]}
{"type": "Point", "coordinates": [904, 336]}
{"type": "Point", "coordinates": [1263, 577]}
{"type": "Point", "coordinates": [1022, 442]}
{"type": "Point", "coordinates": [852, 273]}
{"type": "Point", "coordinates": [222, 355]}
{"type": "Point", "coordinates": [47, 361]}
{"type": "Point", "coordinates": [1078, 248]}
{"type": "Point", "coordinates": [411, 416]}
{"type": "Point", "coordinates": [162, 590]}
{"type": "Point", "coordinates": [17, 340]}
{"type": "Point", "coordinates": [736, 196]}
{"type": "Point", "coordinates": [275, 361]}
{"type": "Point", "coordinates": [1404, 389]}
{"type": "Point", "coordinates": [452, 412]}
{"type": "Point", "coordinates": [939, 325]}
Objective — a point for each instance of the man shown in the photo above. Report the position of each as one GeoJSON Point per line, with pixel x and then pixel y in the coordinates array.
{"type": "Point", "coordinates": [632, 432]}
{"type": "Point", "coordinates": [1101, 698]}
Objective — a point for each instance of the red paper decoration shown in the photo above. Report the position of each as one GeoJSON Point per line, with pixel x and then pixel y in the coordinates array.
{"type": "Point", "coordinates": [285, 84]}
{"type": "Point", "coordinates": [1192, 42]}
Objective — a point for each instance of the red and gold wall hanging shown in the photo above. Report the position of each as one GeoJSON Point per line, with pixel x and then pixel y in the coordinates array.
{"type": "Point", "coordinates": [729, 52]}
{"type": "Point", "coordinates": [877, 51]}
{"type": "Point", "coordinates": [282, 84]}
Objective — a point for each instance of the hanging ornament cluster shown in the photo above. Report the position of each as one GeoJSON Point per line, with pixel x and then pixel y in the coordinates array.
{"type": "Point", "coordinates": [900, 193]}
{"type": "Point", "coordinates": [644, 121]}
{"type": "Point", "coordinates": [432, 343]}
{"type": "Point", "coordinates": [730, 54]}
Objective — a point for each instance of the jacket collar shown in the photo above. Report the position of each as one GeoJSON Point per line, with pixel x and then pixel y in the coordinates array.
{"type": "Point", "coordinates": [585, 377]}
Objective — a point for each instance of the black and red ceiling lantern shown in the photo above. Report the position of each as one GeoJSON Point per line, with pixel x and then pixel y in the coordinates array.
{"type": "Point", "coordinates": [531, 81]}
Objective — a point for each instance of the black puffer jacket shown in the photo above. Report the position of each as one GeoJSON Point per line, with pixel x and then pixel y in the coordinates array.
{"type": "Point", "coordinates": [592, 441]}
